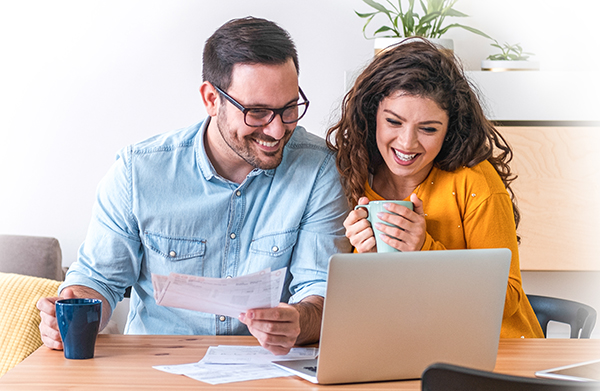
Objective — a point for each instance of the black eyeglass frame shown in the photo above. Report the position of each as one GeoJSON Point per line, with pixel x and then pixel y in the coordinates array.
{"type": "Point", "coordinates": [275, 112]}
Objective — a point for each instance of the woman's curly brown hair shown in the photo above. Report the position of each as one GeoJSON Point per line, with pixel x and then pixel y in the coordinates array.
{"type": "Point", "coordinates": [416, 68]}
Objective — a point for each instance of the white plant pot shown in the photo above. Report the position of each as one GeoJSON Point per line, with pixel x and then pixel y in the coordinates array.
{"type": "Point", "coordinates": [383, 43]}
{"type": "Point", "coordinates": [502, 66]}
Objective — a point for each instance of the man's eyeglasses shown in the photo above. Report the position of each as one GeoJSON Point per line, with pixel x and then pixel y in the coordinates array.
{"type": "Point", "coordinates": [257, 117]}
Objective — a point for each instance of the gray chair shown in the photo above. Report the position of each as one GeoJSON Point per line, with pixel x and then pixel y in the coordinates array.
{"type": "Point", "coordinates": [579, 316]}
{"type": "Point", "coordinates": [447, 377]}
{"type": "Point", "coordinates": [36, 256]}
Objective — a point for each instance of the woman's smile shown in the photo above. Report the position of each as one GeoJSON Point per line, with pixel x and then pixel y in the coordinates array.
{"type": "Point", "coordinates": [410, 134]}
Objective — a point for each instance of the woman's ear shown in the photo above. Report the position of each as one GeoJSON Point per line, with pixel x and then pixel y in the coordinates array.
{"type": "Point", "coordinates": [210, 98]}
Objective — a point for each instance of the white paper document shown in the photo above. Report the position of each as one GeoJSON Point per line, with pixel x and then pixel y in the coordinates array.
{"type": "Point", "coordinates": [228, 354]}
{"type": "Point", "coordinates": [222, 296]}
{"type": "Point", "coordinates": [225, 373]}
{"type": "Point", "coordinates": [227, 364]}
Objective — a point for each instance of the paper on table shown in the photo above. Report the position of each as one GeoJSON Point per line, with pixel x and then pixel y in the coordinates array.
{"type": "Point", "coordinates": [228, 354]}
{"type": "Point", "coordinates": [225, 373]}
{"type": "Point", "coordinates": [223, 296]}
{"type": "Point", "coordinates": [227, 364]}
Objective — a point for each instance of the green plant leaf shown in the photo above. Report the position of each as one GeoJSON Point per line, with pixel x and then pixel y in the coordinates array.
{"type": "Point", "coordinates": [422, 31]}
{"type": "Point", "coordinates": [408, 22]}
{"type": "Point", "coordinates": [453, 12]}
{"type": "Point", "coordinates": [475, 31]}
{"type": "Point", "coordinates": [434, 5]}
{"type": "Point", "coordinates": [364, 30]}
{"type": "Point", "coordinates": [377, 6]}
{"type": "Point", "coordinates": [430, 17]}
{"type": "Point", "coordinates": [394, 8]}
{"type": "Point", "coordinates": [429, 26]}
{"type": "Point", "coordinates": [365, 15]}
{"type": "Point", "coordinates": [471, 29]}
{"type": "Point", "coordinates": [509, 52]}
{"type": "Point", "coordinates": [383, 29]}
{"type": "Point", "coordinates": [396, 23]}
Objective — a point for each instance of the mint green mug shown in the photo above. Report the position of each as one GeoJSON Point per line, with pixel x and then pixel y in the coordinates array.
{"type": "Point", "coordinates": [375, 207]}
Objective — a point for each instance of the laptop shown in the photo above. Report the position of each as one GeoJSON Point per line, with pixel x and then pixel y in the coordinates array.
{"type": "Point", "coordinates": [387, 316]}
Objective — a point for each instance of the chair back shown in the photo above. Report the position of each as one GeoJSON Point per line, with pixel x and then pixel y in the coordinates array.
{"type": "Point", "coordinates": [447, 377]}
{"type": "Point", "coordinates": [581, 317]}
{"type": "Point", "coordinates": [36, 256]}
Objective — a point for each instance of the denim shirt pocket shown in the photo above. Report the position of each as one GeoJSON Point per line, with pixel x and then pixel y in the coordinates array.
{"type": "Point", "coordinates": [278, 244]}
{"type": "Point", "coordinates": [174, 254]}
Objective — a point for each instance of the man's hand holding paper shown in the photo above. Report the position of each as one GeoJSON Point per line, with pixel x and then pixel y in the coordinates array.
{"type": "Point", "coordinates": [276, 329]}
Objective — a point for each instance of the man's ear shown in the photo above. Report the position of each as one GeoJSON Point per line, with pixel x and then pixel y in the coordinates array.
{"type": "Point", "coordinates": [210, 98]}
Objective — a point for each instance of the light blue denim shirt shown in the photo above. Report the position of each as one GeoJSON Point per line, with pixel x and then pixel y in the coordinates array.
{"type": "Point", "coordinates": [162, 208]}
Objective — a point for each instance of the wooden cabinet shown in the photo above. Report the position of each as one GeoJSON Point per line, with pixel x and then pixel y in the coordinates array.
{"type": "Point", "coordinates": [558, 193]}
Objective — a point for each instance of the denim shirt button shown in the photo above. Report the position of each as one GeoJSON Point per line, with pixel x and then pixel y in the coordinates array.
{"type": "Point", "coordinates": [232, 236]}
{"type": "Point", "coordinates": [275, 249]}
{"type": "Point", "coordinates": [228, 277]}
{"type": "Point", "coordinates": [222, 318]}
{"type": "Point", "coordinates": [238, 193]}
{"type": "Point", "coordinates": [172, 254]}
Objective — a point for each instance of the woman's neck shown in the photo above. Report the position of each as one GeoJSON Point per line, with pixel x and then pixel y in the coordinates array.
{"type": "Point", "coordinates": [393, 187]}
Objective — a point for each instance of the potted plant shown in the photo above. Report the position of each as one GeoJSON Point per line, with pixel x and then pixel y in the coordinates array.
{"type": "Point", "coordinates": [407, 22]}
{"type": "Point", "coordinates": [510, 58]}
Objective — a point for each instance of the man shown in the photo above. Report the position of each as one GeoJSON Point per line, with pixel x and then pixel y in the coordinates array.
{"type": "Point", "coordinates": [243, 190]}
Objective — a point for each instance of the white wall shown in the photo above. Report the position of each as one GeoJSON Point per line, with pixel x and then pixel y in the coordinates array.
{"type": "Point", "coordinates": [81, 79]}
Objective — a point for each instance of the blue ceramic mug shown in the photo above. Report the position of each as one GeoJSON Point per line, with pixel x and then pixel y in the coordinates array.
{"type": "Point", "coordinates": [78, 322]}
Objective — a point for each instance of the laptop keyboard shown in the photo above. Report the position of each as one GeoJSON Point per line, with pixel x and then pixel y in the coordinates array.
{"type": "Point", "coordinates": [312, 369]}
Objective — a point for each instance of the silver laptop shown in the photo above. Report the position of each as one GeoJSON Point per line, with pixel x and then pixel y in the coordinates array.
{"type": "Point", "coordinates": [388, 316]}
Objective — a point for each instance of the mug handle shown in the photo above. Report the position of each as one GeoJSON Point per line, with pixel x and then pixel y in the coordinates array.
{"type": "Point", "coordinates": [365, 207]}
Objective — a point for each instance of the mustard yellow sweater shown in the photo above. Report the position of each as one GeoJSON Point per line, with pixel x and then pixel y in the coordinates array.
{"type": "Point", "coordinates": [471, 208]}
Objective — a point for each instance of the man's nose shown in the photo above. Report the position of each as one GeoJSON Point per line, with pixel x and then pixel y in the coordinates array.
{"type": "Point", "coordinates": [276, 128]}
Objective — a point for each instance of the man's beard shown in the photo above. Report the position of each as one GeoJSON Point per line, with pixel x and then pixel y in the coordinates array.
{"type": "Point", "coordinates": [246, 147]}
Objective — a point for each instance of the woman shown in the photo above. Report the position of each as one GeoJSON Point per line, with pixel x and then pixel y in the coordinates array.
{"type": "Point", "coordinates": [412, 129]}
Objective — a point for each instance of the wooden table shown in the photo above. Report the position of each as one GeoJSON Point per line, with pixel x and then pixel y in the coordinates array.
{"type": "Point", "coordinates": [124, 362]}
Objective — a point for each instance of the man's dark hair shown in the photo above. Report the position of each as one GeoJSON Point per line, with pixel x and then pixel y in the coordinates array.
{"type": "Point", "coordinates": [245, 41]}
